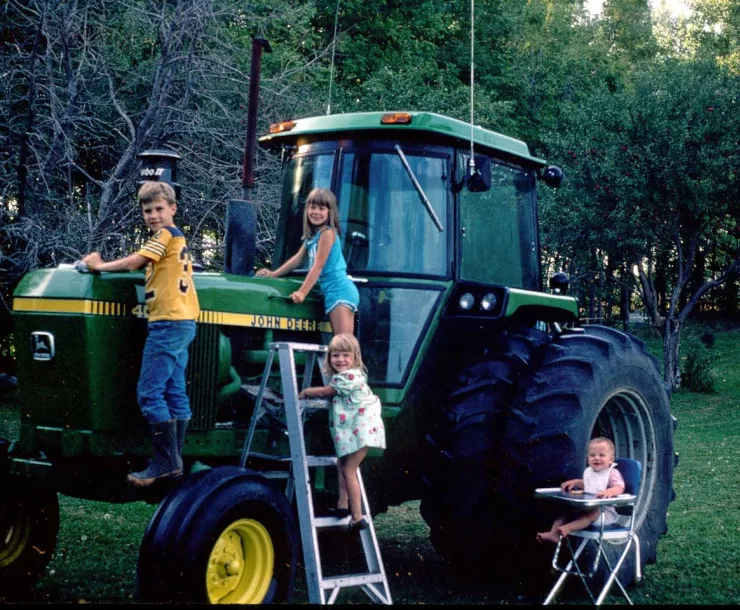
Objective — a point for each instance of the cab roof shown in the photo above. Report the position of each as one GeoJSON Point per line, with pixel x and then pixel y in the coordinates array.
{"type": "Point", "coordinates": [428, 122]}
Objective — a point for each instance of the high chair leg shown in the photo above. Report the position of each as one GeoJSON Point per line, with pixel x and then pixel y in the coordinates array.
{"type": "Point", "coordinates": [567, 571]}
{"type": "Point", "coordinates": [613, 575]}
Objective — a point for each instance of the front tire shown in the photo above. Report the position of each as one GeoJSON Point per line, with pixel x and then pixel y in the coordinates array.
{"type": "Point", "coordinates": [226, 535]}
{"type": "Point", "coordinates": [29, 523]}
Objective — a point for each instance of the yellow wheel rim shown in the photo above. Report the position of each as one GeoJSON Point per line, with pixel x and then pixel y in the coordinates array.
{"type": "Point", "coordinates": [241, 564]}
{"type": "Point", "coordinates": [15, 531]}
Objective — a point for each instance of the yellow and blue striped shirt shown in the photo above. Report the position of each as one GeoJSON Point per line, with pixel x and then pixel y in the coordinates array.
{"type": "Point", "coordinates": [170, 291]}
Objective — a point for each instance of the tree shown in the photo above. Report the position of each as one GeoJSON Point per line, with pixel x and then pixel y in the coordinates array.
{"type": "Point", "coordinates": [715, 29]}
{"type": "Point", "coordinates": [628, 30]}
{"type": "Point", "coordinates": [654, 172]}
{"type": "Point", "coordinates": [90, 84]}
{"type": "Point", "coordinates": [528, 57]}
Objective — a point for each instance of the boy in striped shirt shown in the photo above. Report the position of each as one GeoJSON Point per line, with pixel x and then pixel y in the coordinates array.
{"type": "Point", "coordinates": [173, 309]}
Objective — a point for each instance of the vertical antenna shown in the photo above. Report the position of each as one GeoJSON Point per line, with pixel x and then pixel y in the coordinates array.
{"type": "Point", "coordinates": [471, 162]}
{"type": "Point", "coordinates": [333, 50]}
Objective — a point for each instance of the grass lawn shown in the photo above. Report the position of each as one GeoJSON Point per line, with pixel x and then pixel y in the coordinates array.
{"type": "Point", "coordinates": [697, 560]}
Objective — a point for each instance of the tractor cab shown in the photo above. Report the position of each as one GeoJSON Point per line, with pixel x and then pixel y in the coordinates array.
{"type": "Point", "coordinates": [415, 218]}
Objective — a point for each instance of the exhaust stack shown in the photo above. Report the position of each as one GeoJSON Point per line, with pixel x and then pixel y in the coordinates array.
{"type": "Point", "coordinates": [241, 214]}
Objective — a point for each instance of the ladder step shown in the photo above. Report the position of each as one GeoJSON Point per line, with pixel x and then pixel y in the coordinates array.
{"type": "Point", "coordinates": [268, 395]}
{"type": "Point", "coordinates": [351, 580]}
{"type": "Point", "coordinates": [315, 404]}
{"type": "Point", "coordinates": [271, 457]}
{"type": "Point", "coordinates": [272, 397]}
{"type": "Point", "coordinates": [330, 521]}
{"type": "Point", "coordinates": [275, 475]}
{"type": "Point", "coordinates": [321, 460]}
{"type": "Point", "coordinates": [299, 347]}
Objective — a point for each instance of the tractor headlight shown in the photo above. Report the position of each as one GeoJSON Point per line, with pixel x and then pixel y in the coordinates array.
{"type": "Point", "coordinates": [466, 301]}
{"type": "Point", "coordinates": [488, 302]}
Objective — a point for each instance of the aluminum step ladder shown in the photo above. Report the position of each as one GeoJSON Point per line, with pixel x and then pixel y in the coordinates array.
{"type": "Point", "coordinates": [321, 589]}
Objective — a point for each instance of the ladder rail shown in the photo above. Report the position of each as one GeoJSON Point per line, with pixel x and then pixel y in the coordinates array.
{"type": "Point", "coordinates": [377, 596]}
{"type": "Point", "coordinates": [257, 413]}
{"type": "Point", "coordinates": [309, 536]}
{"type": "Point", "coordinates": [368, 538]}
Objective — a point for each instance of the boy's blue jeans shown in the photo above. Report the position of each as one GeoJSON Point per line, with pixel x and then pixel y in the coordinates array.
{"type": "Point", "coordinates": [161, 388]}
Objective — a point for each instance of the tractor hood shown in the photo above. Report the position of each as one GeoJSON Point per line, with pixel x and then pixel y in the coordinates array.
{"type": "Point", "coordinates": [225, 299]}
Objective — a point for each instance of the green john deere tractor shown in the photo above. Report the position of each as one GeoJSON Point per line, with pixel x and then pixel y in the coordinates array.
{"type": "Point", "coordinates": [489, 388]}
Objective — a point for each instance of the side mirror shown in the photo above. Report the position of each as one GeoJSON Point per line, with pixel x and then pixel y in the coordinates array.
{"type": "Point", "coordinates": [559, 283]}
{"type": "Point", "coordinates": [553, 176]}
{"type": "Point", "coordinates": [480, 181]}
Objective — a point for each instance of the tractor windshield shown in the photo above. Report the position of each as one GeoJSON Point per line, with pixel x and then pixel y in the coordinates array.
{"type": "Point", "coordinates": [386, 227]}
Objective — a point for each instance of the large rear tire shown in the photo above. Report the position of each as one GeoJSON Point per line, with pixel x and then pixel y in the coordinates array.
{"type": "Point", "coordinates": [464, 464]}
{"type": "Point", "coordinates": [226, 535]}
{"type": "Point", "coordinates": [29, 523]}
{"type": "Point", "coordinates": [598, 382]}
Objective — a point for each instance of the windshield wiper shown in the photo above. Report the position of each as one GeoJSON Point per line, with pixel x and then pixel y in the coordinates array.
{"type": "Point", "coordinates": [417, 186]}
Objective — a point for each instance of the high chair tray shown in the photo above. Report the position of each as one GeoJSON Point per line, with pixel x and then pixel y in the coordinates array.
{"type": "Point", "coordinates": [585, 500]}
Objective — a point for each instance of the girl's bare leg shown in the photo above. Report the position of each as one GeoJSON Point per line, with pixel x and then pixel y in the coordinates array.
{"type": "Point", "coordinates": [350, 464]}
{"type": "Point", "coordinates": [552, 535]}
{"type": "Point", "coordinates": [342, 320]}
{"type": "Point", "coordinates": [342, 501]}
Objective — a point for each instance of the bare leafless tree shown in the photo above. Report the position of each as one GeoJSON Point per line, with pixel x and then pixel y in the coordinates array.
{"type": "Point", "coordinates": [89, 84]}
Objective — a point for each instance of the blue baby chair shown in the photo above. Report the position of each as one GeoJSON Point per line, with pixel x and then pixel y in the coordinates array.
{"type": "Point", "coordinates": [631, 471]}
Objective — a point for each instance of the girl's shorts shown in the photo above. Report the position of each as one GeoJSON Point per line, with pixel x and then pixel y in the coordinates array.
{"type": "Point", "coordinates": [340, 292]}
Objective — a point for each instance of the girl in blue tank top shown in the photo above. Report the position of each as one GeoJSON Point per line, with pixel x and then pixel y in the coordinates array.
{"type": "Point", "coordinates": [322, 245]}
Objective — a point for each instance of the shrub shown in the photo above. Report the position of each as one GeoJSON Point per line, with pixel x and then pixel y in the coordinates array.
{"type": "Point", "coordinates": [697, 375]}
{"type": "Point", "coordinates": [707, 338]}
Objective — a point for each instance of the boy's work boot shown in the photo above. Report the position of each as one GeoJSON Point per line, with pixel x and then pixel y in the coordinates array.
{"type": "Point", "coordinates": [182, 428]}
{"type": "Point", "coordinates": [164, 463]}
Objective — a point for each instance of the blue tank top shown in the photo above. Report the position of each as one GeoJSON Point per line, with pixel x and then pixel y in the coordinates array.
{"type": "Point", "coordinates": [335, 267]}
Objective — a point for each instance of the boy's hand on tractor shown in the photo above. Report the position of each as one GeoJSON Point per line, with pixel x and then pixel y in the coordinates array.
{"type": "Point", "coordinates": [298, 297]}
{"type": "Point", "coordinates": [92, 260]}
{"type": "Point", "coordinates": [264, 272]}
{"type": "Point", "coordinates": [81, 267]}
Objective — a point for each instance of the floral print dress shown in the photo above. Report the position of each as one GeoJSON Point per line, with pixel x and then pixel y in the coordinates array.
{"type": "Point", "coordinates": [355, 414]}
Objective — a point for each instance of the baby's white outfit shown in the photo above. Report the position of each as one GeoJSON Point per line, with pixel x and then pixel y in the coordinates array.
{"type": "Point", "coordinates": [595, 482]}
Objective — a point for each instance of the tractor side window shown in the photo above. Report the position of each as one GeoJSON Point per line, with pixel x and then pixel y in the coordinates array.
{"type": "Point", "coordinates": [498, 229]}
{"type": "Point", "coordinates": [301, 176]}
{"type": "Point", "coordinates": [391, 322]}
{"type": "Point", "coordinates": [386, 228]}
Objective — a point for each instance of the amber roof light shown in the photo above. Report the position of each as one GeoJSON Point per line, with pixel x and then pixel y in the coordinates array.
{"type": "Point", "coordinates": [282, 126]}
{"type": "Point", "coordinates": [396, 118]}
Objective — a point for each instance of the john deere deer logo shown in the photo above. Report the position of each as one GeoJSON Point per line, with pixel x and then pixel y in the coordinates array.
{"type": "Point", "coordinates": [42, 345]}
